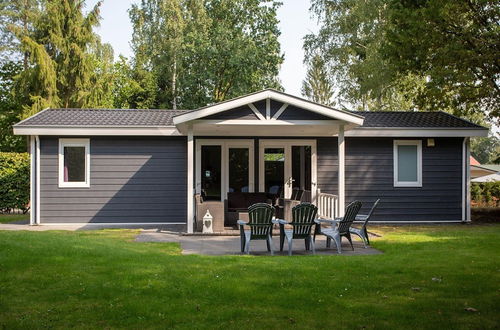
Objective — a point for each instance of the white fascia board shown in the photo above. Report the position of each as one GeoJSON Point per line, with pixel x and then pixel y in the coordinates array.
{"type": "Point", "coordinates": [240, 122]}
{"type": "Point", "coordinates": [97, 131]}
{"type": "Point", "coordinates": [420, 132]}
{"type": "Point", "coordinates": [329, 112]}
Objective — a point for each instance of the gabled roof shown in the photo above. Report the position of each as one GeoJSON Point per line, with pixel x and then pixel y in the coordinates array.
{"type": "Point", "coordinates": [273, 94]}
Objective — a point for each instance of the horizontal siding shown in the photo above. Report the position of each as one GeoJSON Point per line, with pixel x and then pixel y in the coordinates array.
{"type": "Point", "coordinates": [369, 175]}
{"type": "Point", "coordinates": [132, 179]}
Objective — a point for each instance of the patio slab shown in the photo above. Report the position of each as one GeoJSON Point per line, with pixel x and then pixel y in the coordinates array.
{"type": "Point", "coordinates": [230, 245]}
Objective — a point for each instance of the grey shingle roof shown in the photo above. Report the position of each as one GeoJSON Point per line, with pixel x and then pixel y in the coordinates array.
{"type": "Point", "coordinates": [159, 117]}
{"type": "Point", "coordinates": [102, 117]}
{"type": "Point", "coordinates": [409, 119]}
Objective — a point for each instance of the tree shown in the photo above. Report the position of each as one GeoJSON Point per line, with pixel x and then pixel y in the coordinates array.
{"type": "Point", "coordinates": [62, 69]}
{"type": "Point", "coordinates": [486, 150]}
{"type": "Point", "coordinates": [9, 108]}
{"type": "Point", "coordinates": [317, 86]}
{"type": "Point", "coordinates": [418, 55]}
{"type": "Point", "coordinates": [204, 51]}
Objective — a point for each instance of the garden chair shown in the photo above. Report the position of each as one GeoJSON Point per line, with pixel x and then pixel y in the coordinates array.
{"type": "Point", "coordinates": [303, 219]}
{"type": "Point", "coordinates": [260, 217]}
{"type": "Point", "coordinates": [339, 227]}
{"type": "Point", "coordinates": [362, 232]}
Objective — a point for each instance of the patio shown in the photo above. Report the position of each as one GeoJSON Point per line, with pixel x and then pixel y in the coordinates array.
{"type": "Point", "coordinates": [230, 244]}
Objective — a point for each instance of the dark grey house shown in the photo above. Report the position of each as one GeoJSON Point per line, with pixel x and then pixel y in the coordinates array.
{"type": "Point", "coordinates": [145, 166]}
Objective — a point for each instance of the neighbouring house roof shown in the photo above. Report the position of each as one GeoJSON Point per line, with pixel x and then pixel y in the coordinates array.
{"type": "Point", "coordinates": [489, 167]}
{"type": "Point", "coordinates": [487, 178]}
{"type": "Point", "coordinates": [473, 161]}
{"type": "Point", "coordinates": [164, 117]}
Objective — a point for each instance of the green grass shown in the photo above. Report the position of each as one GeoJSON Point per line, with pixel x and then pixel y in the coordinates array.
{"type": "Point", "coordinates": [6, 218]}
{"type": "Point", "coordinates": [102, 279]}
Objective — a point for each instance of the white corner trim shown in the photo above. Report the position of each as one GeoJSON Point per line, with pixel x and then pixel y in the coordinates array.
{"type": "Point", "coordinates": [280, 111]}
{"type": "Point", "coordinates": [413, 132]}
{"type": "Point", "coordinates": [96, 131]}
{"type": "Point", "coordinates": [417, 143]}
{"type": "Point", "coordinates": [256, 111]}
{"type": "Point", "coordinates": [341, 171]}
{"type": "Point", "coordinates": [280, 97]}
{"type": "Point", "coordinates": [190, 174]}
{"type": "Point", "coordinates": [37, 180]}
{"type": "Point", "coordinates": [74, 143]}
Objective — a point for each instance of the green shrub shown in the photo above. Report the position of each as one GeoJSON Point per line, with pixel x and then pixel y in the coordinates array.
{"type": "Point", "coordinates": [14, 181]}
{"type": "Point", "coordinates": [485, 193]}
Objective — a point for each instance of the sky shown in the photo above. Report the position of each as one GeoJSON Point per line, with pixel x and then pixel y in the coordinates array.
{"type": "Point", "coordinates": [295, 23]}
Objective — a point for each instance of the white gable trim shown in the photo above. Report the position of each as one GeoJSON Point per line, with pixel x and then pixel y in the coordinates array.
{"type": "Point", "coordinates": [280, 111]}
{"type": "Point", "coordinates": [274, 95]}
{"type": "Point", "coordinates": [256, 111]}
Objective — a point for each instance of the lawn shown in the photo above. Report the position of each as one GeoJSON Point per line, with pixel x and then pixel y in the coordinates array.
{"type": "Point", "coordinates": [6, 218]}
{"type": "Point", "coordinates": [427, 278]}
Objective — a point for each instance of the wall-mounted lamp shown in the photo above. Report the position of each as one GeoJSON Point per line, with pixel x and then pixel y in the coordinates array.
{"type": "Point", "coordinates": [430, 143]}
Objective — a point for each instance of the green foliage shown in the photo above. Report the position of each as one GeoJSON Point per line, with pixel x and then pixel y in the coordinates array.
{"type": "Point", "coordinates": [14, 180]}
{"type": "Point", "coordinates": [486, 150]}
{"type": "Point", "coordinates": [317, 86]}
{"type": "Point", "coordinates": [422, 55]}
{"type": "Point", "coordinates": [9, 108]}
{"type": "Point", "coordinates": [205, 51]}
{"type": "Point", "coordinates": [486, 193]}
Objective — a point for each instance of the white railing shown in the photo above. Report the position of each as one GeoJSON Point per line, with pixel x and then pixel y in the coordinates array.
{"type": "Point", "coordinates": [328, 205]}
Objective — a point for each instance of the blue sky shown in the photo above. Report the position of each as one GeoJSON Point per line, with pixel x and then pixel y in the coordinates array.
{"type": "Point", "coordinates": [295, 23]}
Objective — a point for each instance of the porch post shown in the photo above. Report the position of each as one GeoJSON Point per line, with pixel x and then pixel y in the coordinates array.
{"type": "Point", "coordinates": [190, 173]}
{"type": "Point", "coordinates": [32, 181]}
{"type": "Point", "coordinates": [341, 154]}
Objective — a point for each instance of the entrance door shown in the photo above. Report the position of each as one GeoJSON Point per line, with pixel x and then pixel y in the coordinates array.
{"type": "Point", "coordinates": [286, 166]}
{"type": "Point", "coordinates": [224, 166]}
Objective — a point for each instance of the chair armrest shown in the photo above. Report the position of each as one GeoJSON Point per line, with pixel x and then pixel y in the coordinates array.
{"type": "Point", "coordinates": [241, 223]}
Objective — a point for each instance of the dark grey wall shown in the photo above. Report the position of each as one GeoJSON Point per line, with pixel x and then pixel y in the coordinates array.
{"type": "Point", "coordinates": [369, 175]}
{"type": "Point", "coordinates": [133, 179]}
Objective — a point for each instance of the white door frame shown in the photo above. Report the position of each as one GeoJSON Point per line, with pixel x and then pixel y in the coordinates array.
{"type": "Point", "coordinates": [287, 144]}
{"type": "Point", "coordinates": [225, 145]}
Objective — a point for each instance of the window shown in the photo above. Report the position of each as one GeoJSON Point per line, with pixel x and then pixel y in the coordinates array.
{"type": "Point", "coordinates": [74, 161]}
{"type": "Point", "coordinates": [407, 163]}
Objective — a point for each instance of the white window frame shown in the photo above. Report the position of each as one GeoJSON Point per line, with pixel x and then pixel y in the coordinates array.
{"type": "Point", "coordinates": [417, 143]}
{"type": "Point", "coordinates": [74, 143]}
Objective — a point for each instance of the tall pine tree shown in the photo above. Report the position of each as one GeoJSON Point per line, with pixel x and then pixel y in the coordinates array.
{"type": "Point", "coordinates": [317, 86]}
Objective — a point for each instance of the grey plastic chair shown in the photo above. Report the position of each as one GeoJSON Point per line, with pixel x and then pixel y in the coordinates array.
{"type": "Point", "coordinates": [339, 227]}
{"type": "Point", "coordinates": [260, 217]}
{"type": "Point", "coordinates": [303, 219]}
{"type": "Point", "coordinates": [362, 232]}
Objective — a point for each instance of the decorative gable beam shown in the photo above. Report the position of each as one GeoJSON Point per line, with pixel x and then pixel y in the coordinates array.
{"type": "Point", "coordinates": [256, 111]}
{"type": "Point", "coordinates": [268, 108]}
{"type": "Point", "coordinates": [280, 111]}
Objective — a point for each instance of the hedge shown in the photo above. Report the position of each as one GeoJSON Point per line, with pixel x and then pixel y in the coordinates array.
{"type": "Point", "coordinates": [485, 194]}
{"type": "Point", "coordinates": [14, 181]}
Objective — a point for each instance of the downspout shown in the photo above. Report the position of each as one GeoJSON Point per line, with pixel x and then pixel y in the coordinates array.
{"type": "Point", "coordinates": [37, 219]}
{"type": "Point", "coordinates": [466, 199]}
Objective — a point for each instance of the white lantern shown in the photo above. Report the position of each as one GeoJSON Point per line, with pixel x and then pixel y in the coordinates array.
{"type": "Point", "coordinates": [208, 222]}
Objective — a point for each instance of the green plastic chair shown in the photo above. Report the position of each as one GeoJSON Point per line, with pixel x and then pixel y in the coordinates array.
{"type": "Point", "coordinates": [261, 226]}
{"type": "Point", "coordinates": [303, 219]}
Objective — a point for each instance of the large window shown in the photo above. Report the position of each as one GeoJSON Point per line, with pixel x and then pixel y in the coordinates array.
{"type": "Point", "coordinates": [74, 162]}
{"type": "Point", "coordinates": [407, 163]}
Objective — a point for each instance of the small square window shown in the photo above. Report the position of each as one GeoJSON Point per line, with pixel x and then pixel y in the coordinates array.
{"type": "Point", "coordinates": [74, 160]}
{"type": "Point", "coordinates": [407, 163]}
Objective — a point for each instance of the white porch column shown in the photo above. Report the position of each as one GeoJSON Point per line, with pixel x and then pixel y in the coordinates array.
{"type": "Point", "coordinates": [32, 181]}
{"type": "Point", "coordinates": [190, 173]}
{"type": "Point", "coordinates": [341, 154]}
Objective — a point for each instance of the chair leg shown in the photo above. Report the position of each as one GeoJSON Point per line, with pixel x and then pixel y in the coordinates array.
{"type": "Point", "coordinates": [338, 243]}
{"type": "Point", "coordinates": [242, 240]}
{"type": "Point", "coordinates": [290, 243]}
{"type": "Point", "coordinates": [328, 242]}
{"type": "Point", "coordinates": [312, 245]}
{"type": "Point", "coordinates": [366, 235]}
{"type": "Point", "coordinates": [306, 242]}
{"type": "Point", "coordinates": [270, 244]}
{"type": "Point", "coordinates": [350, 240]}
{"type": "Point", "coordinates": [247, 245]}
{"type": "Point", "coordinates": [282, 238]}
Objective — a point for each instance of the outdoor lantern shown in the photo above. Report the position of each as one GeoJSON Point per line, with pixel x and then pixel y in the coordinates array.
{"type": "Point", "coordinates": [430, 143]}
{"type": "Point", "coordinates": [207, 223]}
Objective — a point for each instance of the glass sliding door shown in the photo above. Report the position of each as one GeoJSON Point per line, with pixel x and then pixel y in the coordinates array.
{"type": "Point", "coordinates": [274, 170]}
{"type": "Point", "coordinates": [211, 170]}
{"type": "Point", "coordinates": [238, 166]}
